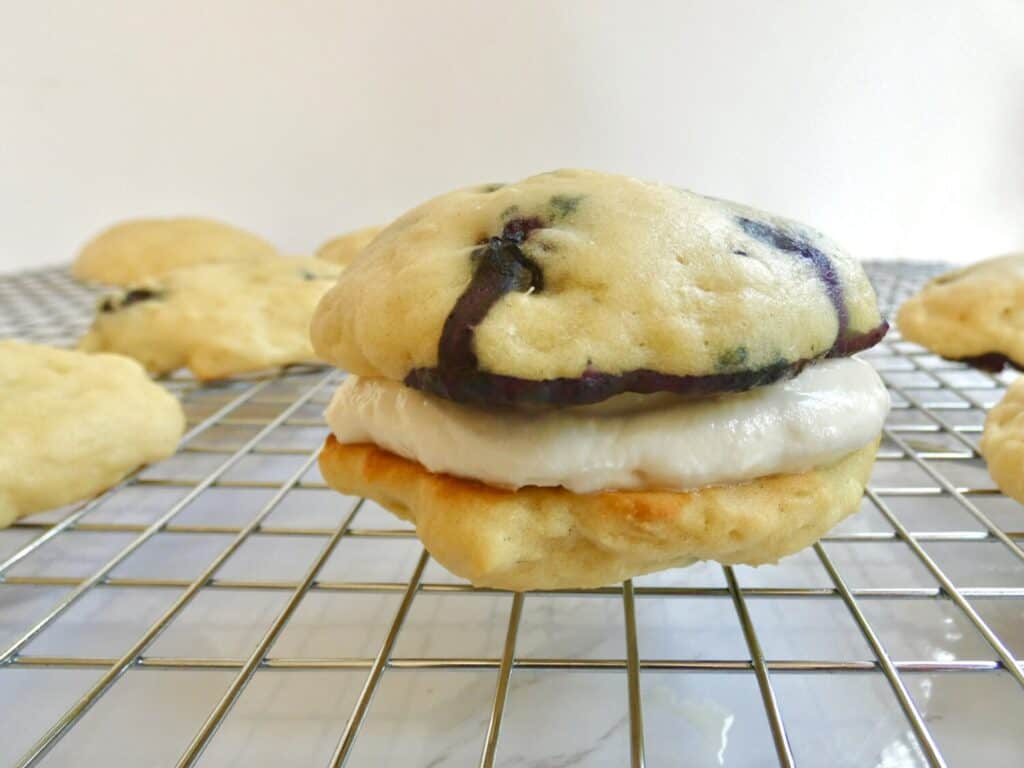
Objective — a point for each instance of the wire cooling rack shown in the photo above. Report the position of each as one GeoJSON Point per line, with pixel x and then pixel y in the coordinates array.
{"type": "Point", "coordinates": [224, 608]}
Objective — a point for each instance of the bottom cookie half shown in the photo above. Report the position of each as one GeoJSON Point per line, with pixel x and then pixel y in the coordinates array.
{"type": "Point", "coordinates": [551, 538]}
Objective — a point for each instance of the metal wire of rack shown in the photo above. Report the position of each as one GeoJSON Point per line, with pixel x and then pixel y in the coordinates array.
{"type": "Point", "coordinates": [224, 608]}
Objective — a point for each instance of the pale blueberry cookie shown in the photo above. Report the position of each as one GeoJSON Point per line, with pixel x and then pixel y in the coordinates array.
{"type": "Point", "coordinates": [582, 377]}
{"type": "Point", "coordinates": [974, 314]}
{"type": "Point", "coordinates": [74, 424]}
{"type": "Point", "coordinates": [139, 249]}
{"type": "Point", "coordinates": [218, 320]}
{"type": "Point", "coordinates": [1002, 442]}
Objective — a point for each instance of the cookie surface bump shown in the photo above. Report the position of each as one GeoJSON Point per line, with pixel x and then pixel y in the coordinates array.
{"type": "Point", "coordinates": [218, 320]}
{"type": "Point", "coordinates": [974, 314]}
{"type": "Point", "coordinates": [1002, 443]}
{"type": "Point", "coordinates": [75, 424]}
{"type": "Point", "coordinates": [135, 250]}
{"type": "Point", "coordinates": [344, 248]}
{"type": "Point", "coordinates": [572, 286]}
{"type": "Point", "coordinates": [551, 538]}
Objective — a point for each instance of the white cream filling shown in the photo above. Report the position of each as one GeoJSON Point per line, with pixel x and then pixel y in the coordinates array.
{"type": "Point", "coordinates": [828, 411]}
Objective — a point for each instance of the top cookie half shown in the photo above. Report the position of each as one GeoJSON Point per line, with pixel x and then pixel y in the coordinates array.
{"type": "Point", "coordinates": [572, 286]}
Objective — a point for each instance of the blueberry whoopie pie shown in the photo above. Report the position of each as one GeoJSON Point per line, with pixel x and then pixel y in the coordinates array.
{"type": "Point", "coordinates": [582, 377]}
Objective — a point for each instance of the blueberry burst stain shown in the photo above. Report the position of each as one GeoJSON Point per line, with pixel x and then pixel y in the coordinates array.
{"type": "Point", "coordinates": [134, 296]}
{"type": "Point", "coordinates": [788, 242]}
{"type": "Point", "coordinates": [993, 362]}
{"type": "Point", "coordinates": [502, 267]}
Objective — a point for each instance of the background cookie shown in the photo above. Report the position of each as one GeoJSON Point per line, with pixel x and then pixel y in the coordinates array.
{"type": "Point", "coordinates": [342, 249]}
{"type": "Point", "coordinates": [216, 319]}
{"type": "Point", "coordinates": [974, 314]}
{"type": "Point", "coordinates": [1002, 443]}
{"type": "Point", "coordinates": [75, 424]}
{"type": "Point", "coordinates": [578, 271]}
{"type": "Point", "coordinates": [142, 248]}
{"type": "Point", "coordinates": [550, 538]}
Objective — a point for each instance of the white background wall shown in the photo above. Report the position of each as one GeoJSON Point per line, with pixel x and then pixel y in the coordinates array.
{"type": "Point", "coordinates": [896, 127]}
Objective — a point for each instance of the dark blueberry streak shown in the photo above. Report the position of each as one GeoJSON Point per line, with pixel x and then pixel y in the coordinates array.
{"type": "Point", "coordinates": [496, 390]}
{"type": "Point", "coordinates": [785, 241]}
{"type": "Point", "coordinates": [501, 267]}
{"type": "Point", "coordinates": [852, 343]}
{"type": "Point", "coordinates": [134, 296]}
{"type": "Point", "coordinates": [993, 362]}
{"type": "Point", "coordinates": [517, 230]}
